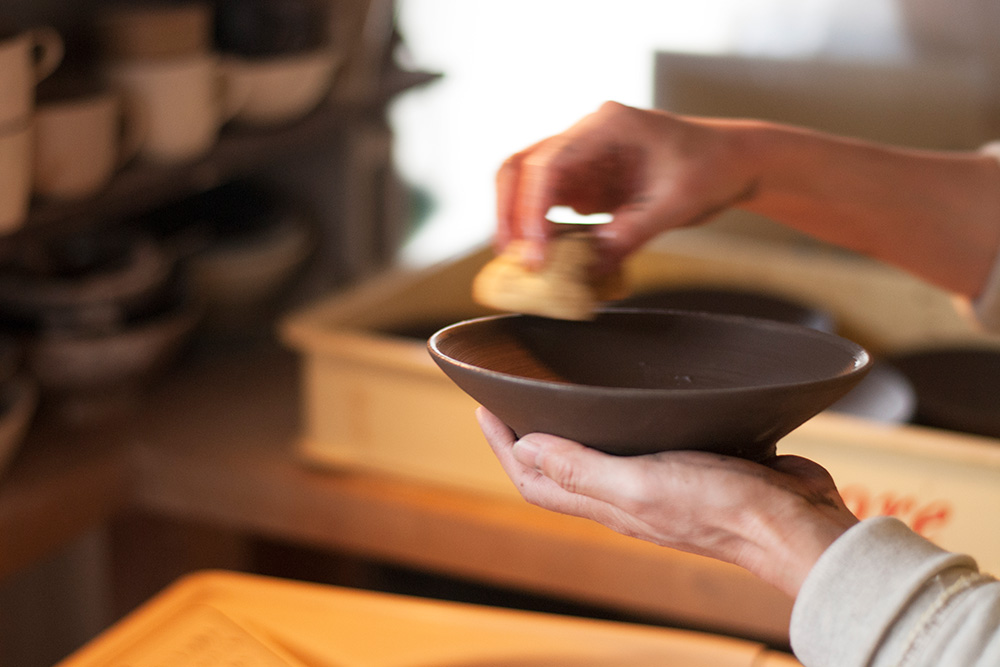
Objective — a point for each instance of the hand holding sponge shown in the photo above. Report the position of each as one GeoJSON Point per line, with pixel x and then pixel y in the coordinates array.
{"type": "Point", "coordinates": [564, 288]}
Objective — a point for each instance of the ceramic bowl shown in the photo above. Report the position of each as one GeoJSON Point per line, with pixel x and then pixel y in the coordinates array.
{"type": "Point", "coordinates": [277, 90]}
{"type": "Point", "coordinates": [240, 279]}
{"type": "Point", "coordinates": [87, 377]}
{"type": "Point", "coordinates": [89, 283]}
{"type": "Point", "coordinates": [80, 362]}
{"type": "Point", "coordinates": [957, 387]}
{"type": "Point", "coordinates": [885, 395]}
{"type": "Point", "coordinates": [733, 301]}
{"type": "Point", "coordinates": [639, 381]}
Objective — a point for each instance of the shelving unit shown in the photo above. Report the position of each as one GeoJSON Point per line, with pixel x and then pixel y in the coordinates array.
{"type": "Point", "coordinates": [240, 151]}
{"type": "Point", "coordinates": [68, 485]}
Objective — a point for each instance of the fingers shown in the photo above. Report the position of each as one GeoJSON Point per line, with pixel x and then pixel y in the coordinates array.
{"type": "Point", "coordinates": [592, 167]}
{"type": "Point", "coordinates": [617, 239]}
{"type": "Point", "coordinates": [498, 434]}
{"type": "Point", "coordinates": [539, 190]}
{"type": "Point", "coordinates": [562, 475]}
{"type": "Point", "coordinates": [548, 470]}
{"type": "Point", "coordinates": [580, 470]}
{"type": "Point", "coordinates": [726, 508]}
{"type": "Point", "coordinates": [501, 440]}
{"type": "Point", "coordinates": [527, 187]}
{"type": "Point", "coordinates": [508, 186]}
{"type": "Point", "coordinates": [517, 460]}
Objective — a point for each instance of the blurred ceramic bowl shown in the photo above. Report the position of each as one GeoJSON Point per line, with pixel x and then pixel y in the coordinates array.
{"type": "Point", "coordinates": [885, 395]}
{"type": "Point", "coordinates": [639, 381]}
{"type": "Point", "coordinates": [87, 284]}
{"type": "Point", "coordinates": [733, 301]}
{"type": "Point", "coordinates": [18, 401]}
{"type": "Point", "coordinates": [65, 361]}
{"type": "Point", "coordinates": [238, 278]}
{"type": "Point", "coordinates": [957, 387]}
{"type": "Point", "coordinates": [82, 374]}
{"type": "Point", "coordinates": [276, 90]}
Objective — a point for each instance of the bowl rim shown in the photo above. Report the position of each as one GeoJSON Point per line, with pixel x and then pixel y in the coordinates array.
{"type": "Point", "coordinates": [863, 360]}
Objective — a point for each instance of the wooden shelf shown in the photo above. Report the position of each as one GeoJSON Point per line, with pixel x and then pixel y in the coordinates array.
{"type": "Point", "coordinates": [240, 151]}
{"type": "Point", "coordinates": [141, 186]}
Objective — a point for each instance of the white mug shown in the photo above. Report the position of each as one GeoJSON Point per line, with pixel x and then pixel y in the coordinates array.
{"type": "Point", "coordinates": [183, 103]}
{"type": "Point", "coordinates": [16, 148]}
{"type": "Point", "coordinates": [279, 89]}
{"type": "Point", "coordinates": [25, 59]}
{"type": "Point", "coordinates": [81, 138]}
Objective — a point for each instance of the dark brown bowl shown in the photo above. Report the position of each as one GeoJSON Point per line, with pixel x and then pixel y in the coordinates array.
{"type": "Point", "coordinates": [957, 387]}
{"type": "Point", "coordinates": [639, 381]}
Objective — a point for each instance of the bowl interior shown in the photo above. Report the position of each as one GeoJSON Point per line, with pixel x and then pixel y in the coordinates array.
{"type": "Point", "coordinates": [648, 350]}
{"type": "Point", "coordinates": [636, 380]}
{"type": "Point", "coordinates": [733, 301]}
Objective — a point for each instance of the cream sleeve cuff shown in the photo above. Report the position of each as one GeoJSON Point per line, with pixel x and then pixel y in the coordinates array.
{"type": "Point", "coordinates": [882, 595]}
{"type": "Point", "coordinates": [986, 306]}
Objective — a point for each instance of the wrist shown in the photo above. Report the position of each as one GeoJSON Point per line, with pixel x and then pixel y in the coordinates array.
{"type": "Point", "coordinates": [787, 539]}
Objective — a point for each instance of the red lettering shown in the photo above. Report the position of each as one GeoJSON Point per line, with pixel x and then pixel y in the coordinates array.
{"type": "Point", "coordinates": [924, 518]}
{"type": "Point", "coordinates": [893, 506]}
{"type": "Point", "coordinates": [931, 517]}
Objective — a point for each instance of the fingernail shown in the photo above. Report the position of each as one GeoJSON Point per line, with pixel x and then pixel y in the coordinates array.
{"type": "Point", "coordinates": [525, 451]}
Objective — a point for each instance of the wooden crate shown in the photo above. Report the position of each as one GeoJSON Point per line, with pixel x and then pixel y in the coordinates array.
{"type": "Point", "coordinates": [375, 399]}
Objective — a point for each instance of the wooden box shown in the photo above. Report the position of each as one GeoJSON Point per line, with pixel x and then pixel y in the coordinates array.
{"type": "Point", "coordinates": [373, 398]}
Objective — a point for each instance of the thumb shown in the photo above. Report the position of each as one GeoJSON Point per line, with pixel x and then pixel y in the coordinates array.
{"type": "Point", "coordinates": [577, 469]}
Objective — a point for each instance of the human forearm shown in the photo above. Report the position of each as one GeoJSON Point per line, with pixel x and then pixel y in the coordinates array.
{"type": "Point", "coordinates": [934, 214]}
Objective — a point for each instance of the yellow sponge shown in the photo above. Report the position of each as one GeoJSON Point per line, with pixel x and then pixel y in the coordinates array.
{"type": "Point", "coordinates": [564, 288]}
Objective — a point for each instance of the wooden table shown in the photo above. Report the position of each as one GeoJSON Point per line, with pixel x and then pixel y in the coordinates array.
{"type": "Point", "coordinates": [215, 444]}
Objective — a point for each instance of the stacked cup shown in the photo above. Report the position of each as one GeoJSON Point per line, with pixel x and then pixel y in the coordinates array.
{"type": "Point", "coordinates": [279, 57]}
{"type": "Point", "coordinates": [26, 57]}
{"type": "Point", "coordinates": [82, 136]}
{"type": "Point", "coordinates": [161, 55]}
